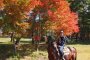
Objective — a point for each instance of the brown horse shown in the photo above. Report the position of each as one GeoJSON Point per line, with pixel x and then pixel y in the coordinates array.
{"type": "Point", "coordinates": [53, 52]}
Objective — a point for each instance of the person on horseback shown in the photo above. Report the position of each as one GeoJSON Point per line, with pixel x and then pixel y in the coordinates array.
{"type": "Point", "coordinates": [61, 43]}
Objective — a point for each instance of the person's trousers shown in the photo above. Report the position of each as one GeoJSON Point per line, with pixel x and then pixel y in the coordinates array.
{"type": "Point", "coordinates": [61, 50]}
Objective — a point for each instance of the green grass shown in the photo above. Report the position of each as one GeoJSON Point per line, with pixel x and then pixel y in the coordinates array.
{"type": "Point", "coordinates": [83, 51]}
{"type": "Point", "coordinates": [28, 51]}
{"type": "Point", "coordinates": [7, 40]}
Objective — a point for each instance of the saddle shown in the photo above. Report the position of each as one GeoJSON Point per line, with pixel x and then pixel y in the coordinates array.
{"type": "Point", "coordinates": [66, 50]}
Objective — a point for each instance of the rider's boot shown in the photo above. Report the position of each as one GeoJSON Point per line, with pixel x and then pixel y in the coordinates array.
{"type": "Point", "coordinates": [63, 57]}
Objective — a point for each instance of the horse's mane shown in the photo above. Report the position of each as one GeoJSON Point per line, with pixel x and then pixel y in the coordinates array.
{"type": "Point", "coordinates": [53, 51]}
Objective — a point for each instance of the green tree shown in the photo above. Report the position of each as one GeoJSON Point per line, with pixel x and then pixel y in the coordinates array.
{"type": "Point", "coordinates": [82, 7]}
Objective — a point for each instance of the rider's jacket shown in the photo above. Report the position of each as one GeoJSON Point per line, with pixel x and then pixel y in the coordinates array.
{"type": "Point", "coordinates": [61, 41]}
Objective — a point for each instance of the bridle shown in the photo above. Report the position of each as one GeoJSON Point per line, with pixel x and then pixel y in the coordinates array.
{"type": "Point", "coordinates": [55, 48]}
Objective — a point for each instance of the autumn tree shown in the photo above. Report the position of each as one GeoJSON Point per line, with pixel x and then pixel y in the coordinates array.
{"type": "Point", "coordinates": [14, 15]}
{"type": "Point", "coordinates": [58, 16]}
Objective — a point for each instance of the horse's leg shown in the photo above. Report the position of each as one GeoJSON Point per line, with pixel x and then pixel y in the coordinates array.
{"type": "Point", "coordinates": [74, 53]}
{"type": "Point", "coordinates": [49, 56]}
{"type": "Point", "coordinates": [75, 56]}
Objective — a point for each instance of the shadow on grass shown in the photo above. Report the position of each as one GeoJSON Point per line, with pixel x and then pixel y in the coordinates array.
{"type": "Point", "coordinates": [7, 50]}
{"type": "Point", "coordinates": [1, 42]}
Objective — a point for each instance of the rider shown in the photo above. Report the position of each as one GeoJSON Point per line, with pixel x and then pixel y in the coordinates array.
{"type": "Point", "coordinates": [61, 43]}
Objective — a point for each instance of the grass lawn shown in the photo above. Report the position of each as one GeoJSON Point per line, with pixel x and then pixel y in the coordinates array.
{"type": "Point", "coordinates": [28, 51]}
{"type": "Point", "coordinates": [7, 40]}
{"type": "Point", "coordinates": [83, 51]}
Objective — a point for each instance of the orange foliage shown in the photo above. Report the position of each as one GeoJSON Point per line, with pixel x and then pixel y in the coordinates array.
{"type": "Point", "coordinates": [63, 18]}
{"type": "Point", "coordinates": [58, 11]}
{"type": "Point", "coordinates": [15, 10]}
{"type": "Point", "coordinates": [23, 25]}
{"type": "Point", "coordinates": [1, 4]}
{"type": "Point", "coordinates": [60, 16]}
{"type": "Point", "coordinates": [31, 5]}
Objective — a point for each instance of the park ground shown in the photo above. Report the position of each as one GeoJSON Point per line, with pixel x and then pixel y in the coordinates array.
{"type": "Point", "coordinates": [27, 51]}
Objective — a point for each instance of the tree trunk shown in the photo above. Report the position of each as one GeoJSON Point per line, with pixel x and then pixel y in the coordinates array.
{"type": "Point", "coordinates": [17, 41]}
{"type": "Point", "coordinates": [16, 44]}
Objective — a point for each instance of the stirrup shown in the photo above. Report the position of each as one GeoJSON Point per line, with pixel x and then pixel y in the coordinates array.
{"type": "Point", "coordinates": [63, 57]}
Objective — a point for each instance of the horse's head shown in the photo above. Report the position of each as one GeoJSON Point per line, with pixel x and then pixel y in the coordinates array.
{"type": "Point", "coordinates": [53, 51]}
{"type": "Point", "coordinates": [54, 44]}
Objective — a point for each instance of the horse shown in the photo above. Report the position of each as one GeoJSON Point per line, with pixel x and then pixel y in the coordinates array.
{"type": "Point", "coordinates": [70, 53]}
{"type": "Point", "coordinates": [53, 51]}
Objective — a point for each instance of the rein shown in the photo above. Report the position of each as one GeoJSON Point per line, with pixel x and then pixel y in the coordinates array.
{"type": "Point", "coordinates": [55, 49]}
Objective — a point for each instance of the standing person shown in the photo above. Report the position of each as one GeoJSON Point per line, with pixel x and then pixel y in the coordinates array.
{"type": "Point", "coordinates": [61, 42]}
{"type": "Point", "coordinates": [12, 36]}
{"type": "Point", "coordinates": [37, 39]}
